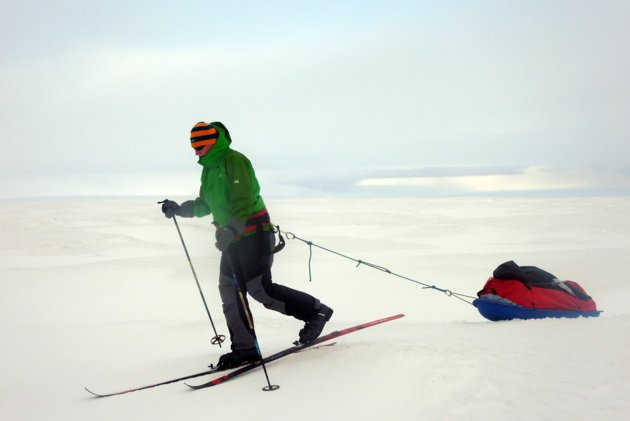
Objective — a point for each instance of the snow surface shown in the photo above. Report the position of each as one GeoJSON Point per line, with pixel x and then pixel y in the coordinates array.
{"type": "Point", "coordinates": [98, 293]}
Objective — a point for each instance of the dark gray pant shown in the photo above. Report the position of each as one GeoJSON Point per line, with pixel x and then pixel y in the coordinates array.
{"type": "Point", "coordinates": [250, 260]}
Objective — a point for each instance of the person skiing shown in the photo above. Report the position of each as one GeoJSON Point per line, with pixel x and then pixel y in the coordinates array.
{"type": "Point", "coordinates": [244, 234]}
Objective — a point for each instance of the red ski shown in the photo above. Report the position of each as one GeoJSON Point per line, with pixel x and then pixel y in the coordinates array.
{"type": "Point", "coordinates": [135, 389]}
{"type": "Point", "coordinates": [179, 379]}
{"type": "Point", "coordinates": [289, 351]}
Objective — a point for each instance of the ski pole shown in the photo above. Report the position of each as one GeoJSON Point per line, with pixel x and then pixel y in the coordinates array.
{"type": "Point", "coordinates": [250, 322]}
{"type": "Point", "coordinates": [217, 339]}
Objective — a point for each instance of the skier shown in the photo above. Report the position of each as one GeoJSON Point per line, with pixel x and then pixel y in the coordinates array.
{"type": "Point", "coordinates": [244, 234]}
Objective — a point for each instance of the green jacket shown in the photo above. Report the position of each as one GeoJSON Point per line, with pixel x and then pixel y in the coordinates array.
{"type": "Point", "coordinates": [229, 188]}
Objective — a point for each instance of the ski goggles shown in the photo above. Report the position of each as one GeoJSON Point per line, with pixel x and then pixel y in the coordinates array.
{"type": "Point", "coordinates": [198, 146]}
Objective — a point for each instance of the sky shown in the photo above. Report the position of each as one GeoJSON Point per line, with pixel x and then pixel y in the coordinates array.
{"type": "Point", "coordinates": [370, 97]}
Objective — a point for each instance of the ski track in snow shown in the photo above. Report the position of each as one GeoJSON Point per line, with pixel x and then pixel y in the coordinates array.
{"type": "Point", "coordinates": [98, 293]}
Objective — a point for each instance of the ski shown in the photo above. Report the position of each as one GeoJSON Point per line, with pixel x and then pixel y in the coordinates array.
{"type": "Point", "coordinates": [246, 368]}
{"type": "Point", "coordinates": [192, 376]}
{"type": "Point", "coordinates": [317, 347]}
{"type": "Point", "coordinates": [135, 389]}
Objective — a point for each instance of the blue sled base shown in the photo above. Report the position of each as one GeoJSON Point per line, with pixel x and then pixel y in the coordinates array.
{"type": "Point", "coordinates": [497, 311]}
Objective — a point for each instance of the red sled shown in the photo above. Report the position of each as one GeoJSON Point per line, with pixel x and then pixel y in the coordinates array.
{"type": "Point", "coordinates": [528, 292]}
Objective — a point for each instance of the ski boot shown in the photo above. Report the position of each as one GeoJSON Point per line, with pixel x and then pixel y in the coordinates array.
{"type": "Point", "coordinates": [314, 326]}
{"type": "Point", "coordinates": [237, 358]}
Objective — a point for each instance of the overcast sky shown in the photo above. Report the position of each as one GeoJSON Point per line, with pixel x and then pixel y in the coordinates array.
{"type": "Point", "coordinates": [99, 96]}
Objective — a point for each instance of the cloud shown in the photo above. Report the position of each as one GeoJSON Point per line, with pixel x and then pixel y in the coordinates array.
{"type": "Point", "coordinates": [530, 85]}
{"type": "Point", "coordinates": [530, 179]}
{"type": "Point", "coordinates": [460, 181]}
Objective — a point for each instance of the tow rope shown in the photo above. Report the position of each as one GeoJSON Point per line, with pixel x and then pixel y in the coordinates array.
{"type": "Point", "coordinates": [448, 292]}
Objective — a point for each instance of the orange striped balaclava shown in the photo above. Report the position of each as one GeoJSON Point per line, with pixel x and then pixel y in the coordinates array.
{"type": "Point", "coordinates": [203, 137]}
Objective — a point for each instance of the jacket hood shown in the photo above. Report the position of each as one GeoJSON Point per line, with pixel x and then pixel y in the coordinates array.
{"type": "Point", "coordinates": [220, 148]}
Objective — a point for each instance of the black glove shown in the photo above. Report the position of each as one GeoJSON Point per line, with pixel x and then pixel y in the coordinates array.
{"type": "Point", "coordinates": [225, 235]}
{"type": "Point", "coordinates": [170, 208]}
{"type": "Point", "coordinates": [185, 210]}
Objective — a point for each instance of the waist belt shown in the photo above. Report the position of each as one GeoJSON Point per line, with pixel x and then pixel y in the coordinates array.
{"type": "Point", "coordinates": [257, 221]}
{"type": "Point", "coordinates": [260, 221]}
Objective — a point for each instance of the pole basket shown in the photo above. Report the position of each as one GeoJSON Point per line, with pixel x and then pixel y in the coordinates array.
{"type": "Point", "coordinates": [217, 340]}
